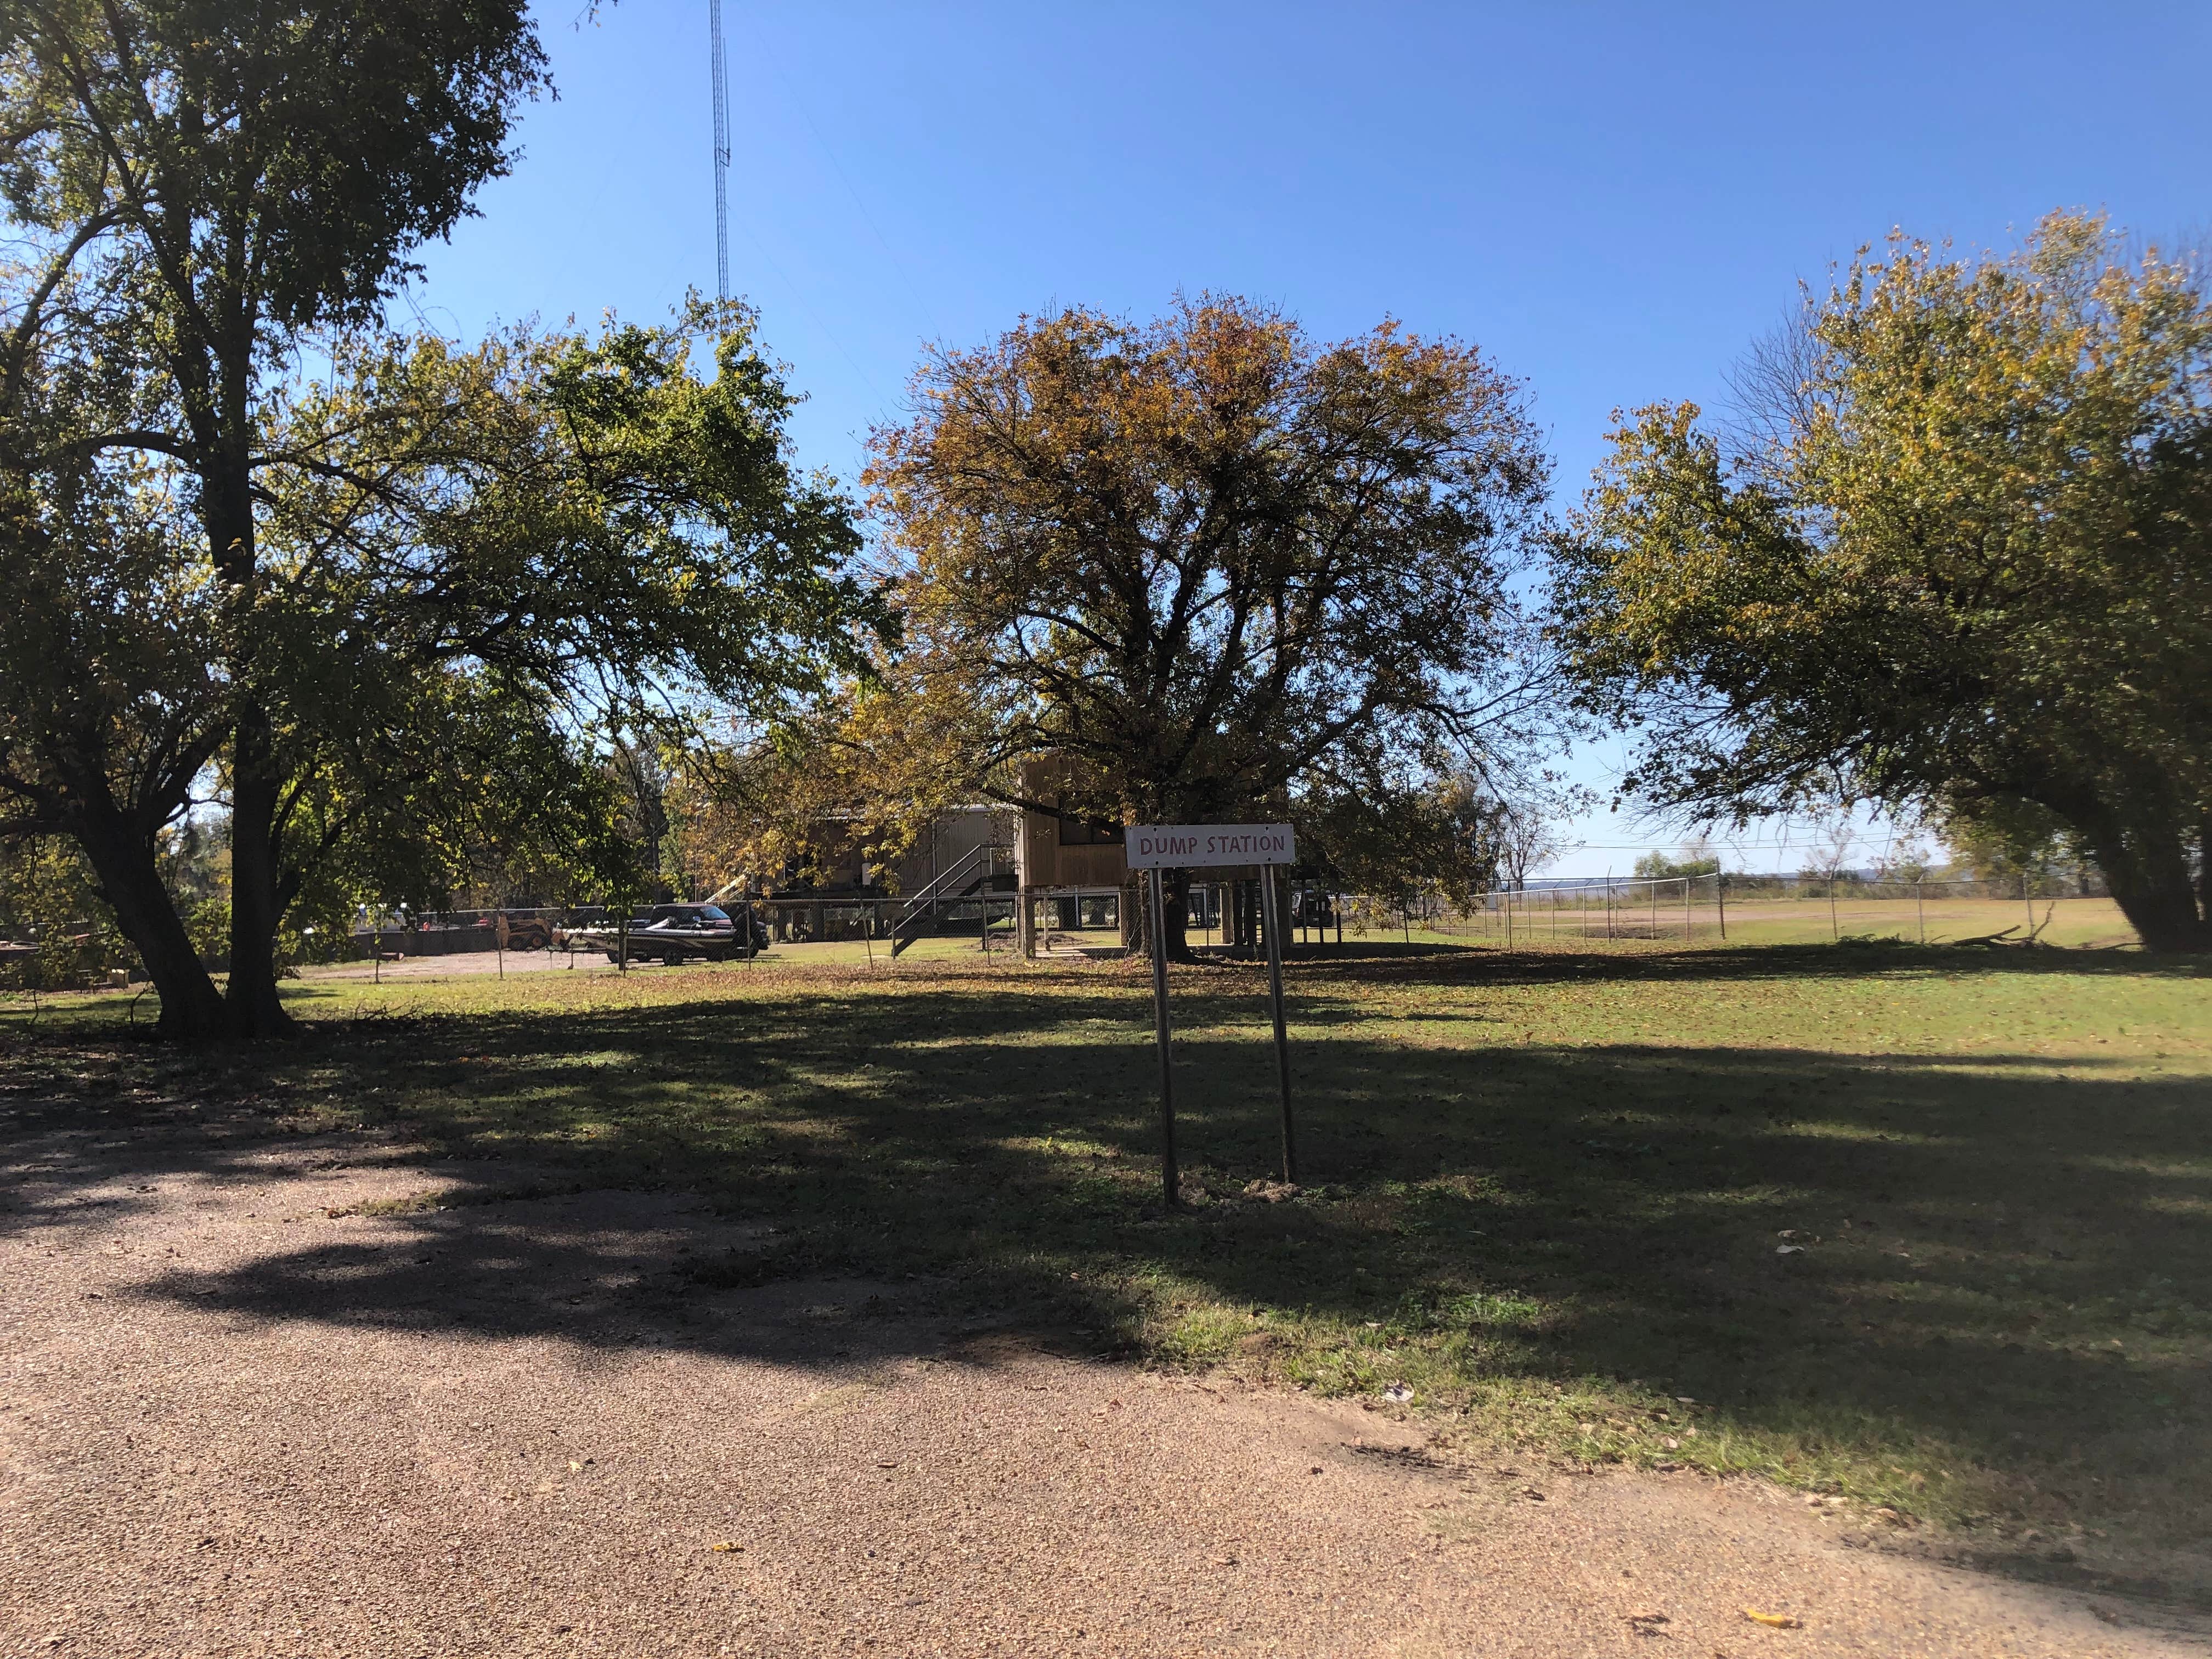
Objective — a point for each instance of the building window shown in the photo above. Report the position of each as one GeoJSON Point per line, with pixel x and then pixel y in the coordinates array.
{"type": "Point", "coordinates": [1083, 832]}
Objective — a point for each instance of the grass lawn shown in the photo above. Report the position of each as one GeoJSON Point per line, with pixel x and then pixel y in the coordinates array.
{"type": "Point", "coordinates": [1932, 1228]}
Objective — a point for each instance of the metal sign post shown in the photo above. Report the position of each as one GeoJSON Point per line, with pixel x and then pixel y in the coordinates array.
{"type": "Point", "coordinates": [1275, 996]}
{"type": "Point", "coordinates": [1171, 1182]}
{"type": "Point", "coordinates": [1155, 848]}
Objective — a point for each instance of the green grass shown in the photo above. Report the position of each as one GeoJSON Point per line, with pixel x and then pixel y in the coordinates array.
{"type": "Point", "coordinates": [1545, 1192]}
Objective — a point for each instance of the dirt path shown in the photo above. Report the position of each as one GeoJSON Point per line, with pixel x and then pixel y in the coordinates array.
{"type": "Point", "coordinates": [237, 1423]}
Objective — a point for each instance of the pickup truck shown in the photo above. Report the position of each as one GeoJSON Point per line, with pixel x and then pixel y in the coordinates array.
{"type": "Point", "coordinates": [672, 932]}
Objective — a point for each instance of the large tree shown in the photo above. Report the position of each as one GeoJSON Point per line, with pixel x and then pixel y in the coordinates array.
{"type": "Point", "coordinates": [215, 192]}
{"type": "Point", "coordinates": [1208, 562]}
{"type": "Point", "coordinates": [468, 561]}
{"type": "Point", "coordinates": [222, 178]}
{"type": "Point", "coordinates": [1958, 557]}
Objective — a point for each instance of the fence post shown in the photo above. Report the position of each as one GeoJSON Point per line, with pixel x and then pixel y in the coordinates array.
{"type": "Point", "coordinates": [1688, 936]}
{"type": "Point", "coordinates": [2027, 904]}
{"type": "Point", "coordinates": [1920, 904]}
{"type": "Point", "coordinates": [1720, 901]}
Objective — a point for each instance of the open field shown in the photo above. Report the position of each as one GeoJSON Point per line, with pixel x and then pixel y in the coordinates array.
{"type": "Point", "coordinates": [1567, 924]}
{"type": "Point", "coordinates": [1926, 1230]}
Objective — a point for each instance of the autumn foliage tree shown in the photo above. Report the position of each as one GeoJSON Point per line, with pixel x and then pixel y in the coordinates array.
{"type": "Point", "coordinates": [1208, 560]}
{"type": "Point", "coordinates": [1960, 560]}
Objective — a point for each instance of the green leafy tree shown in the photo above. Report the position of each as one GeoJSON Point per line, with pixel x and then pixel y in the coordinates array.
{"type": "Point", "coordinates": [1698, 858]}
{"type": "Point", "coordinates": [1958, 561]}
{"type": "Point", "coordinates": [1435, 836]}
{"type": "Point", "coordinates": [50, 900]}
{"type": "Point", "coordinates": [2012, 841]}
{"type": "Point", "coordinates": [466, 558]}
{"type": "Point", "coordinates": [1202, 561]}
{"type": "Point", "coordinates": [209, 184]}
{"type": "Point", "coordinates": [110, 699]}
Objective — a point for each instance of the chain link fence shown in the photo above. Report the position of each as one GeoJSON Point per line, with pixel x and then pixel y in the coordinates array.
{"type": "Point", "coordinates": [1780, 909]}
{"type": "Point", "coordinates": [1599, 914]}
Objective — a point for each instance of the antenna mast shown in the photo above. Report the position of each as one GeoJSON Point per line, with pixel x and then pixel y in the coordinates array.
{"type": "Point", "coordinates": [721, 72]}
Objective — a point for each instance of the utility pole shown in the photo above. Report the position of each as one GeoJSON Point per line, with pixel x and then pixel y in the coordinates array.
{"type": "Point", "coordinates": [721, 74]}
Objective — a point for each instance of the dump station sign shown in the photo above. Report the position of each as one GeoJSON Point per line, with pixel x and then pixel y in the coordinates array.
{"type": "Point", "coordinates": [1208, 846]}
{"type": "Point", "coordinates": [1154, 848]}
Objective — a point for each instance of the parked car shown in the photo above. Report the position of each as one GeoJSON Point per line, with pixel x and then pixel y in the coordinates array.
{"type": "Point", "coordinates": [674, 932]}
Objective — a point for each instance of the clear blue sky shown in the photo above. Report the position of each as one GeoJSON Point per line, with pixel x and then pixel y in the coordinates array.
{"type": "Point", "coordinates": [1610, 200]}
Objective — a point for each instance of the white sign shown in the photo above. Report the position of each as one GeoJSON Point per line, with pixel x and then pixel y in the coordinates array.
{"type": "Point", "coordinates": [1208, 846]}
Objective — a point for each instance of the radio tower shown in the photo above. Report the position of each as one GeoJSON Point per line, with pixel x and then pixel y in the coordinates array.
{"type": "Point", "coordinates": [721, 152]}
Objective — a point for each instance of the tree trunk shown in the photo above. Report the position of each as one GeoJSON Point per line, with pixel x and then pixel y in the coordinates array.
{"type": "Point", "coordinates": [1175, 889]}
{"type": "Point", "coordinates": [255, 786]}
{"type": "Point", "coordinates": [2150, 880]}
{"type": "Point", "coordinates": [2204, 869]}
{"type": "Point", "coordinates": [1175, 893]}
{"type": "Point", "coordinates": [255, 1009]}
{"type": "Point", "coordinates": [131, 882]}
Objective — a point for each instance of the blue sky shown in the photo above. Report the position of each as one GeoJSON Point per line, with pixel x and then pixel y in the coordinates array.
{"type": "Point", "coordinates": [1609, 200]}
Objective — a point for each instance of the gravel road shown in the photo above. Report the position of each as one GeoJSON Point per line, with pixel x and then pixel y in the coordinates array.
{"type": "Point", "coordinates": [244, 1417]}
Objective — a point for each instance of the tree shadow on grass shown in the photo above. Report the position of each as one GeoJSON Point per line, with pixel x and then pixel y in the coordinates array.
{"type": "Point", "coordinates": [1992, 1279]}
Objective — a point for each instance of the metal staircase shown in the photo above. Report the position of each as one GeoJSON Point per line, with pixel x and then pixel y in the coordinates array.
{"type": "Point", "coordinates": [944, 885]}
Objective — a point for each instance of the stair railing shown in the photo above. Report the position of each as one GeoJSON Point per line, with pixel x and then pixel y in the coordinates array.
{"type": "Point", "coordinates": [923, 904]}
